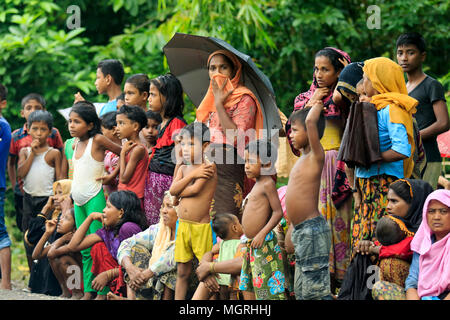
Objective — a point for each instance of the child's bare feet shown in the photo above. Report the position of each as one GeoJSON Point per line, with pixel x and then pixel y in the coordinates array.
{"type": "Point", "coordinates": [77, 295]}
{"type": "Point", "coordinates": [112, 296]}
{"type": "Point", "coordinates": [101, 297]}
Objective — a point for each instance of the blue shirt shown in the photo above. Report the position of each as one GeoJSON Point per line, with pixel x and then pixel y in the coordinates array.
{"type": "Point", "coordinates": [391, 136]}
{"type": "Point", "coordinates": [108, 107]}
{"type": "Point", "coordinates": [5, 141]}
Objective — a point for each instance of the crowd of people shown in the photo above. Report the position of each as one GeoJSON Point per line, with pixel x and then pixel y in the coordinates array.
{"type": "Point", "coordinates": [139, 204]}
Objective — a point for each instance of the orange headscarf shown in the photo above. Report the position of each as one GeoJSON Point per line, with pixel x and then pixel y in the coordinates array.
{"type": "Point", "coordinates": [387, 78]}
{"type": "Point", "coordinates": [207, 106]}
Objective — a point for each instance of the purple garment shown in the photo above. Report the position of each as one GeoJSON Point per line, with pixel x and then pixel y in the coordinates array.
{"type": "Point", "coordinates": [155, 186]}
{"type": "Point", "coordinates": [112, 243]}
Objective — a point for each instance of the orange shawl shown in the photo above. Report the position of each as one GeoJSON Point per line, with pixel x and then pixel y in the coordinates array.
{"type": "Point", "coordinates": [207, 106]}
{"type": "Point", "coordinates": [387, 78]}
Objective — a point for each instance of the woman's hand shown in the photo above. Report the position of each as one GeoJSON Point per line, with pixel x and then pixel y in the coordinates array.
{"type": "Point", "coordinates": [211, 284]}
{"type": "Point", "coordinates": [343, 61]}
{"type": "Point", "coordinates": [97, 216]}
{"type": "Point", "coordinates": [219, 95]}
{"type": "Point", "coordinates": [66, 203]}
{"type": "Point", "coordinates": [100, 281]}
{"type": "Point", "coordinates": [203, 270]}
{"type": "Point", "coordinates": [49, 206]}
{"type": "Point", "coordinates": [357, 199]}
{"type": "Point", "coordinates": [363, 247]}
{"type": "Point", "coordinates": [318, 95]}
{"type": "Point", "coordinates": [66, 237]}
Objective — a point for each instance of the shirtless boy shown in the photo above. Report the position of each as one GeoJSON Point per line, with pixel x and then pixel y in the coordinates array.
{"type": "Point", "coordinates": [262, 275]}
{"type": "Point", "coordinates": [194, 186]}
{"type": "Point", "coordinates": [311, 235]}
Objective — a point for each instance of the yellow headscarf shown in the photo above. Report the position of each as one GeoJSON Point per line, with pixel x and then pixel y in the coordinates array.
{"type": "Point", "coordinates": [162, 240]}
{"type": "Point", "coordinates": [387, 78]}
{"type": "Point", "coordinates": [66, 186]}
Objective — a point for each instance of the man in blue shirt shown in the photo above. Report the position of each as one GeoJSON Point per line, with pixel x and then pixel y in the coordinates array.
{"type": "Point", "coordinates": [5, 241]}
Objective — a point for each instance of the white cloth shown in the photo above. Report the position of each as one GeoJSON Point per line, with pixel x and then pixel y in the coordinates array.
{"type": "Point", "coordinates": [39, 180]}
{"type": "Point", "coordinates": [85, 172]}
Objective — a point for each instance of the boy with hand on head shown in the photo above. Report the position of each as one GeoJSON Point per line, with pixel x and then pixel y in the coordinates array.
{"type": "Point", "coordinates": [39, 167]}
{"type": "Point", "coordinates": [262, 274]}
{"type": "Point", "coordinates": [432, 114]}
{"type": "Point", "coordinates": [133, 163]}
{"type": "Point", "coordinates": [108, 81]}
{"type": "Point", "coordinates": [5, 241]}
{"type": "Point", "coordinates": [311, 235]}
{"type": "Point", "coordinates": [21, 138]}
{"type": "Point", "coordinates": [195, 185]}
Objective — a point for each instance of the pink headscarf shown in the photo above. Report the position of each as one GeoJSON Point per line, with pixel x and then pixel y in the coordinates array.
{"type": "Point", "coordinates": [434, 261]}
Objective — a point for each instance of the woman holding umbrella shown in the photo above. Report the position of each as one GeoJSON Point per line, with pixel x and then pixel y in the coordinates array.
{"type": "Point", "coordinates": [230, 110]}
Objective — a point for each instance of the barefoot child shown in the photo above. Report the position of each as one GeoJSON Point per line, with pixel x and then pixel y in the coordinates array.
{"type": "Point", "coordinates": [88, 166]}
{"type": "Point", "coordinates": [262, 275]}
{"type": "Point", "coordinates": [194, 185]}
{"type": "Point", "coordinates": [122, 217]}
{"type": "Point", "coordinates": [134, 156]}
{"type": "Point", "coordinates": [311, 235]}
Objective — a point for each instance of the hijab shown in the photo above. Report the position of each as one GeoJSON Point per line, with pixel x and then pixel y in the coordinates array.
{"type": "Point", "coordinates": [207, 105]}
{"type": "Point", "coordinates": [434, 261]}
{"type": "Point", "coordinates": [66, 186]}
{"type": "Point", "coordinates": [420, 190]}
{"type": "Point", "coordinates": [348, 79]}
{"type": "Point", "coordinates": [387, 78]}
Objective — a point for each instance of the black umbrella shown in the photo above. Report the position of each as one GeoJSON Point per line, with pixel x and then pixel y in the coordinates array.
{"type": "Point", "coordinates": [187, 56]}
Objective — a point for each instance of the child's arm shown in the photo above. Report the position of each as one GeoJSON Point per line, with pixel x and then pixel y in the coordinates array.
{"type": "Point", "coordinates": [107, 144]}
{"type": "Point", "coordinates": [12, 170]}
{"type": "Point", "coordinates": [271, 193]}
{"type": "Point", "coordinates": [181, 183]}
{"type": "Point", "coordinates": [25, 162]}
{"type": "Point", "coordinates": [79, 240]}
{"type": "Point", "coordinates": [313, 134]}
{"type": "Point", "coordinates": [64, 166]}
{"type": "Point", "coordinates": [127, 168]}
{"type": "Point", "coordinates": [60, 246]}
{"type": "Point", "coordinates": [109, 178]}
{"type": "Point", "coordinates": [39, 251]}
{"type": "Point", "coordinates": [56, 160]}
{"type": "Point", "coordinates": [199, 183]}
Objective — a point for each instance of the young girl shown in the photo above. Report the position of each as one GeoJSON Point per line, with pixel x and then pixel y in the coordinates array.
{"type": "Point", "coordinates": [150, 132]}
{"type": "Point", "coordinates": [136, 90]}
{"type": "Point", "coordinates": [88, 166]}
{"type": "Point", "coordinates": [122, 217]}
{"type": "Point", "coordinates": [111, 161]}
{"type": "Point", "coordinates": [166, 98]}
{"type": "Point", "coordinates": [229, 229]}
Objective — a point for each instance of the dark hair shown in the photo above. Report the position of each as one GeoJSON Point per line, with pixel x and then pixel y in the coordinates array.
{"type": "Point", "coordinates": [334, 57]}
{"type": "Point", "coordinates": [112, 67]}
{"type": "Point", "coordinates": [170, 87]}
{"type": "Point", "coordinates": [153, 115]}
{"type": "Point", "coordinates": [140, 81]}
{"type": "Point", "coordinates": [134, 113]}
{"type": "Point", "coordinates": [221, 224]}
{"type": "Point", "coordinates": [40, 115]}
{"type": "Point", "coordinates": [300, 116]}
{"type": "Point", "coordinates": [121, 97]}
{"type": "Point", "coordinates": [402, 189]}
{"type": "Point", "coordinates": [264, 149]}
{"type": "Point", "coordinates": [131, 205]}
{"type": "Point", "coordinates": [198, 130]}
{"type": "Point", "coordinates": [33, 96]}
{"type": "Point", "coordinates": [388, 232]}
{"type": "Point", "coordinates": [413, 38]}
{"type": "Point", "coordinates": [3, 92]}
{"type": "Point", "coordinates": [86, 110]}
{"type": "Point", "coordinates": [108, 120]}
